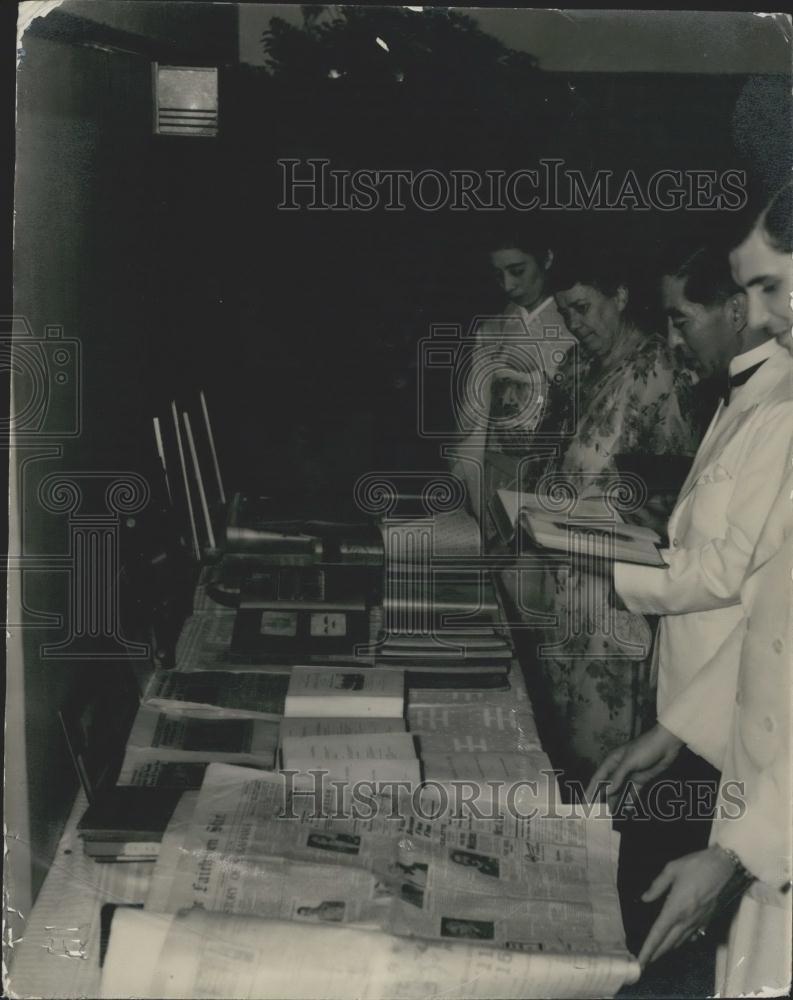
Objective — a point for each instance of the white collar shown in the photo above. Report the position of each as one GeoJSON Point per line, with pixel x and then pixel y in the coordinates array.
{"type": "Point", "coordinates": [527, 316]}
{"type": "Point", "coordinates": [753, 357]}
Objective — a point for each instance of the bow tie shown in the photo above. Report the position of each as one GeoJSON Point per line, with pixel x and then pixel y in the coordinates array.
{"type": "Point", "coordinates": [733, 381]}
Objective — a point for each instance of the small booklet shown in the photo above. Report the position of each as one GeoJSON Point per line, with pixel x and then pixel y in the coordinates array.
{"type": "Point", "coordinates": [327, 691]}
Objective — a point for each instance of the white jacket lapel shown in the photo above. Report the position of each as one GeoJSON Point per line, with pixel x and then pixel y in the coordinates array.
{"type": "Point", "coordinates": [759, 386]}
{"type": "Point", "coordinates": [702, 456]}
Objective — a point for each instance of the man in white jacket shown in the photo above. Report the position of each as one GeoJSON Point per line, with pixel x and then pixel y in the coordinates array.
{"type": "Point", "coordinates": [712, 532]}
{"type": "Point", "coordinates": [734, 479]}
{"type": "Point", "coordinates": [736, 712]}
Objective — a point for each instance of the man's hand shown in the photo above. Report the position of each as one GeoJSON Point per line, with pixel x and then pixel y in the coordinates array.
{"type": "Point", "coordinates": [639, 761]}
{"type": "Point", "coordinates": [696, 886]}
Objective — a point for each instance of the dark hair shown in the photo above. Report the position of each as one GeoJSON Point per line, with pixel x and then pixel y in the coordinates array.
{"type": "Point", "coordinates": [773, 216]}
{"type": "Point", "coordinates": [705, 269]}
{"type": "Point", "coordinates": [530, 237]}
{"type": "Point", "coordinates": [777, 219]}
{"type": "Point", "coordinates": [605, 270]}
{"type": "Point", "coordinates": [601, 269]}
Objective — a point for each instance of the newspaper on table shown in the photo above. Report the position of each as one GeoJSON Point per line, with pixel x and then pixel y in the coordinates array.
{"type": "Point", "coordinates": [237, 857]}
{"type": "Point", "coordinates": [212, 956]}
{"type": "Point", "coordinates": [540, 884]}
{"type": "Point", "coordinates": [483, 728]}
{"type": "Point", "coordinates": [491, 781]}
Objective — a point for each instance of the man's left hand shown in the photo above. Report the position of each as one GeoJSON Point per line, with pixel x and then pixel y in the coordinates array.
{"type": "Point", "coordinates": [696, 886]}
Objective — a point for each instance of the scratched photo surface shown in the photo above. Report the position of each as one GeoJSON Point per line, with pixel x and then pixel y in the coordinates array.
{"type": "Point", "coordinates": [321, 282]}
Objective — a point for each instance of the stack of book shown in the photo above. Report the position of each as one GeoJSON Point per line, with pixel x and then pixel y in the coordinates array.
{"type": "Point", "coordinates": [315, 592]}
{"type": "Point", "coordinates": [348, 726]}
{"type": "Point", "coordinates": [120, 824]}
{"type": "Point", "coordinates": [286, 589]}
{"type": "Point", "coordinates": [439, 605]}
{"type": "Point", "coordinates": [127, 824]}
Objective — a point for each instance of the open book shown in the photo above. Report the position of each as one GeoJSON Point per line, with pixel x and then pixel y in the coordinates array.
{"type": "Point", "coordinates": [591, 527]}
{"type": "Point", "coordinates": [624, 542]}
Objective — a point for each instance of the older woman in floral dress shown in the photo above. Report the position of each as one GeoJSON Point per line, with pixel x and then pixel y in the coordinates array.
{"type": "Point", "coordinates": [622, 394]}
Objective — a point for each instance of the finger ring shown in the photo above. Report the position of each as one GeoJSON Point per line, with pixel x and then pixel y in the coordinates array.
{"type": "Point", "coordinates": [701, 932]}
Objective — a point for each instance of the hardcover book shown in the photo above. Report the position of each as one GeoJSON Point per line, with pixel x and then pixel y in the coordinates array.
{"type": "Point", "coordinates": [378, 693]}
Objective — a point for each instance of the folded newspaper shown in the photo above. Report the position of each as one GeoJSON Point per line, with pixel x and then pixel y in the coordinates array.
{"type": "Point", "coordinates": [255, 881]}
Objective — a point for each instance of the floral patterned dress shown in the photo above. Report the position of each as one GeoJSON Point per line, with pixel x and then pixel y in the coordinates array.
{"type": "Point", "coordinates": [595, 684]}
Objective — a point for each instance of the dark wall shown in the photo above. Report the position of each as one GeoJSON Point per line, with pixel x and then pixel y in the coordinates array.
{"type": "Point", "coordinates": [115, 242]}
{"type": "Point", "coordinates": [333, 303]}
{"type": "Point", "coordinates": [71, 149]}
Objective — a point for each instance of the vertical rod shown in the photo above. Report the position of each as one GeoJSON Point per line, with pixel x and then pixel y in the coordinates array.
{"type": "Point", "coordinates": [211, 437]}
{"type": "Point", "coordinates": [196, 546]}
{"type": "Point", "coordinates": [197, 469]}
